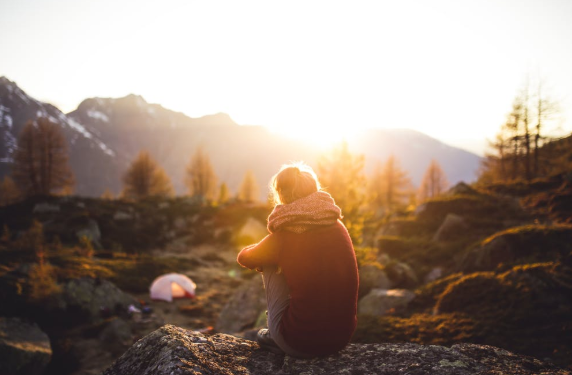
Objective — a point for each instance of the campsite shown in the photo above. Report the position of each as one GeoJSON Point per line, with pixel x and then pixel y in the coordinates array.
{"type": "Point", "coordinates": [93, 298]}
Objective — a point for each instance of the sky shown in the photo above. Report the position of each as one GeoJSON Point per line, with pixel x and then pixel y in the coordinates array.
{"type": "Point", "coordinates": [317, 70]}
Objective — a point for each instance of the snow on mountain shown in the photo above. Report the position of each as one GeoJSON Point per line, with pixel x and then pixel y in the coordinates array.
{"type": "Point", "coordinates": [85, 148]}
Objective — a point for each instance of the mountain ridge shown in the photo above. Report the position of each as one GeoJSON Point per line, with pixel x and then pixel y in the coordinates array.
{"type": "Point", "coordinates": [106, 134]}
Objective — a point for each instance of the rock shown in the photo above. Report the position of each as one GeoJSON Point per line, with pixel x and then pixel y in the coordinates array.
{"type": "Point", "coordinates": [461, 189]}
{"type": "Point", "coordinates": [42, 208]}
{"type": "Point", "coordinates": [372, 277]}
{"type": "Point", "coordinates": [433, 275]}
{"type": "Point", "coordinates": [452, 227]}
{"type": "Point", "coordinates": [121, 215]}
{"type": "Point", "coordinates": [89, 230]}
{"type": "Point", "coordinates": [252, 231]}
{"type": "Point", "coordinates": [117, 335]}
{"type": "Point", "coordinates": [381, 301]}
{"type": "Point", "coordinates": [420, 209]}
{"type": "Point", "coordinates": [174, 351]}
{"type": "Point", "coordinates": [398, 227]}
{"type": "Point", "coordinates": [243, 308]}
{"type": "Point", "coordinates": [24, 348]}
{"type": "Point", "coordinates": [525, 244]}
{"type": "Point", "coordinates": [401, 275]}
{"type": "Point", "coordinates": [180, 223]}
{"type": "Point", "coordinates": [86, 297]}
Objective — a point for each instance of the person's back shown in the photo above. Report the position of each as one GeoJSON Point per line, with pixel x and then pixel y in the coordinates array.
{"type": "Point", "coordinates": [320, 268]}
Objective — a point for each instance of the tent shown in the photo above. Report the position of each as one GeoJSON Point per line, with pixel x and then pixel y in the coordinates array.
{"type": "Point", "coordinates": [172, 285]}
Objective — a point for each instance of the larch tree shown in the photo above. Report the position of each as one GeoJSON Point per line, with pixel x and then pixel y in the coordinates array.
{"type": "Point", "coordinates": [249, 190]}
{"type": "Point", "coordinates": [341, 174]}
{"type": "Point", "coordinates": [145, 178]}
{"type": "Point", "coordinates": [389, 187]}
{"type": "Point", "coordinates": [41, 159]}
{"type": "Point", "coordinates": [200, 177]}
{"type": "Point", "coordinates": [9, 192]}
{"type": "Point", "coordinates": [223, 194]}
{"type": "Point", "coordinates": [516, 151]}
{"type": "Point", "coordinates": [546, 109]}
{"type": "Point", "coordinates": [434, 182]}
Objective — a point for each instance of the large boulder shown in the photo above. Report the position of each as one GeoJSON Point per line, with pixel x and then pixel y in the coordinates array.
{"type": "Point", "coordinates": [243, 308]}
{"type": "Point", "coordinates": [401, 275]}
{"type": "Point", "coordinates": [453, 227]}
{"type": "Point", "coordinates": [251, 232]}
{"type": "Point", "coordinates": [90, 229]}
{"type": "Point", "coordinates": [24, 348]}
{"type": "Point", "coordinates": [175, 351]}
{"type": "Point", "coordinates": [382, 301]}
{"type": "Point", "coordinates": [462, 189]}
{"type": "Point", "coordinates": [519, 245]}
{"type": "Point", "coordinates": [526, 294]}
{"type": "Point", "coordinates": [86, 298]}
{"type": "Point", "coordinates": [372, 276]}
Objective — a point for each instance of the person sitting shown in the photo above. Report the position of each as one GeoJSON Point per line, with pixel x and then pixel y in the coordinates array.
{"type": "Point", "coordinates": [308, 267]}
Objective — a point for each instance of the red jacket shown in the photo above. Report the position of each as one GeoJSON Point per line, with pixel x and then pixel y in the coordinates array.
{"type": "Point", "coordinates": [321, 271]}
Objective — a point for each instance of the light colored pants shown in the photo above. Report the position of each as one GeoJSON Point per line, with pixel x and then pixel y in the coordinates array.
{"type": "Point", "coordinates": [277, 299]}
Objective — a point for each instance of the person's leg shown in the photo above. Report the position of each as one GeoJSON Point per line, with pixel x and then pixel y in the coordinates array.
{"type": "Point", "coordinates": [277, 300]}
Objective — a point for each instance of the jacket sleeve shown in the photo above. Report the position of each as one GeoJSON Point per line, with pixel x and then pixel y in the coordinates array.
{"type": "Point", "coordinates": [264, 253]}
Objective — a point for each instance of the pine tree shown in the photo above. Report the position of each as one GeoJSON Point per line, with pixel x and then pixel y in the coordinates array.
{"type": "Point", "coordinates": [9, 192]}
{"type": "Point", "coordinates": [248, 191]}
{"type": "Point", "coordinates": [145, 178]}
{"type": "Point", "coordinates": [200, 177]}
{"type": "Point", "coordinates": [516, 151]}
{"type": "Point", "coordinates": [341, 174]}
{"type": "Point", "coordinates": [434, 182]}
{"type": "Point", "coordinates": [41, 159]}
{"type": "Point", "coordinates": [389, 187]}
{"type": "Point", "coordinates": [224, 194]}
{"type": "Point", "coordinates": [107, 195]}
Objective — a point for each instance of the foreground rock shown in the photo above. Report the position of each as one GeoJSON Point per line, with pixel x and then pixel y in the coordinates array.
{"type": "Point", "coordinates": [172, 350]}
{"type": "Point", "coordinates": [24, 348]}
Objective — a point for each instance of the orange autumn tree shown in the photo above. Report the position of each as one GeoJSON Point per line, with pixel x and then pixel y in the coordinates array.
{"type": "Point", "coordinates": [434, 182]}
{"type": "Point", "coordinates": [41, 160]}
{"type": "Point", "coordinates": [200, 177]}
{"type": "Point", "coordinates": [146, 178]}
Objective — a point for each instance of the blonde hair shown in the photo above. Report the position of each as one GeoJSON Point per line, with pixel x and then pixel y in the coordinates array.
{"type": "Point", "coordinates": [293, 181]}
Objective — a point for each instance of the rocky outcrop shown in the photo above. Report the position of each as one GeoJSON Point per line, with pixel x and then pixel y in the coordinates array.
{"type": "Point", "coordinates": [380, 301]}
{"type": "Point", "coordinates": [86, 298]}
{"type": "Point", "coordinates": [243, 308]}
{"type": "Point", "coordinates": [372, 277]}
{"type": "Point", "coordinates": [24, 348]}
{"type": "Point", "coordinates": [401, 275]}
{"type": "Point", "coordinates": [172, 350]}
{"type": "Point", "coordinates": [525, 244]}
{"type": "Point", "coordinates": [454, 226]}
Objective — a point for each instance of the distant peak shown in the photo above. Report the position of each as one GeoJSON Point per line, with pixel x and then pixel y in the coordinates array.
{"type": "Point", "coordinates": [220, 118]}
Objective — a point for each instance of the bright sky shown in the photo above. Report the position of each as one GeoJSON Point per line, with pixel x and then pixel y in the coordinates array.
{"type": "Point", "coordinates": [448, 68]}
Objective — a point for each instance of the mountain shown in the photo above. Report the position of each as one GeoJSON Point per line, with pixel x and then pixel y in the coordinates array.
{"type": "Point", "coordinates": [87, 152]}
{"type": "Point", "coordinates": [414, 151]}
{"type": "Point", "coordinates": [106, 134]}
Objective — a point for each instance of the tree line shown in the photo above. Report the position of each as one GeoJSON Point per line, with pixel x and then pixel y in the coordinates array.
{"type": "Point", "coordinates": [41, 167]}
{"type": "Point", "coordinates": [517, 150]}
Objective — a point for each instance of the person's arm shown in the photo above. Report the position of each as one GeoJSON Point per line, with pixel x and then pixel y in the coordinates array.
{"type": "Point", "coordinates": [264, 253]}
